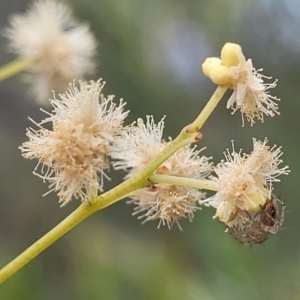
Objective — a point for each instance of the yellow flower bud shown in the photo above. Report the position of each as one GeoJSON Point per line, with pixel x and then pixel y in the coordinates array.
{"type": "Point", "coordinates": [219, 75]}
{"type": "Point", "coordinates": [258, 200]}
{"type": "Point", "coordinates": [226, 214]}
{"type": "Point", "coordinates": [229, 54]}
{"type": "Point", "coordinates": [209, 63]}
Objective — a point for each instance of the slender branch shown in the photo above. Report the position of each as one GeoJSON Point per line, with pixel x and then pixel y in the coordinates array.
{"type": "Point", "coordinates": [14, 68]}
{"type": "Point", "coordinates": [208, 109]}
{"type": "Point", "coordinates": [119, 192]}
{"type": "Point", "coordinates": [100, 202]}
{"type": "Point", "coordinates": [141, 179]}
{"type": "Point", "coordinates": [181, 140]}
{"type": "Point", "coordinates": [195, 183]}
{"type": "Point", "coordinates": [81, 213]}
{"type": "Point", "coordinates": [186, 136]}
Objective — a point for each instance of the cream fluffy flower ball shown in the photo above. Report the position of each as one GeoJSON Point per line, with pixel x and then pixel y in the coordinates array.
{"type": "Point", "coordinates": [137, 145]}
{"type": "Point", "coordinates": [245, 182]}
{"type": "Point", "coordinates": [73, 155]}
{"type": "Point", "coordinates": [60, 48]}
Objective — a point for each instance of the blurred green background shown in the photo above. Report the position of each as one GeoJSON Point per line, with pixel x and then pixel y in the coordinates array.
{"type": "Point", "coordinates": [150, 54]}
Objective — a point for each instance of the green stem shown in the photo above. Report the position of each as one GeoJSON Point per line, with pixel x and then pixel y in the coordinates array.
{"type": "Point", "coordinates": [181, 140]}
{"type": "Point", "coordinates": [81, 213]}
{"type": "Point", "coordinates": [14, 67]}
{"type": "Point", "coordinates": [119, 192]}
{"type": "Point", "coordinates": [208, 109]}
{"type": "Point", "coordinates": [195, 183]}
{"type": "Point", "coordinates": [186, 136]}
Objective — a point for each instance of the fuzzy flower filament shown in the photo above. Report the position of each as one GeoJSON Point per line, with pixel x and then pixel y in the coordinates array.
{"type": "Point", "coordinates": [250, 92]}
{"type": "Point", "coordinates": [245, 182]}
{"type": "Point", "coordinates": [137, 145]}
{"type": "Point", "coordinates": [60, 48]}
{"type": "Point", "coordinates": [73, 155]}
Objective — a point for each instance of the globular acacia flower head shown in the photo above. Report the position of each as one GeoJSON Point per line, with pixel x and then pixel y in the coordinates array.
{"type": "Point", "coordinates": [250, 92]}
{"type": "Point", "coordinates": [73, 154]}
{"type": "Point", "coordinates": [60, 49]}
{"type": "Point", "coordinates": [245, 182]}
{"type": "Point", "coordinates": [137, 145]}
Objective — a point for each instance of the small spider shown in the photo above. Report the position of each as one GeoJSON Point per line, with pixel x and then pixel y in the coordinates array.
{"type": "Point", "coordinates": [272, 215]}
{"type": "Point", "coordinates": [256, 229]}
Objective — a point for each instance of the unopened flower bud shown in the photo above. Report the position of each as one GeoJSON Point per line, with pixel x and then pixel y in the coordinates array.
{"type": "Point", "coordinates": [219, 75]}
{"type": "Point", "coordinates": [225, 215]}
{"type": "Point", "coordinates": [229, 54]}
{"type": "Point", "coordinates": [210, 63]}
{"type": "Point", "coordinates": [258, 200]}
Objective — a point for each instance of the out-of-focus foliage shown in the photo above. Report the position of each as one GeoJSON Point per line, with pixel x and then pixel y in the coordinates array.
{"type": "Point", "coordinates": [150, 54]}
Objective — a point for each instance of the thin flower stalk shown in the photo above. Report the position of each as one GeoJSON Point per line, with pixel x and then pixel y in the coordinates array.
{"type": "Point", "coordinates": [80, 214]}
{"type": "Point", "coordinates": [14, 68]}
{"type": "Point", "coordinates": [208, 109]}
{"type": "Point", "coordinates": [191, 182]}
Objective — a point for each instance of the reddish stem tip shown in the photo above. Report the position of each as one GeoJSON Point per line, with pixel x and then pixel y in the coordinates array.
{"type": "Point", "coordinates": [199, 137]}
